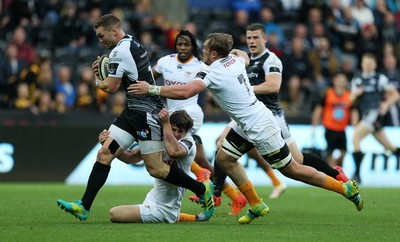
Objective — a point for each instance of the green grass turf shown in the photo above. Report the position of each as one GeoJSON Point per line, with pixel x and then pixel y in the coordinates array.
{"type": "Point", "coordinates": [28, 212]}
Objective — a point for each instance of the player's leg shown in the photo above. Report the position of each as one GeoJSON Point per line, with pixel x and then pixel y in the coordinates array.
{"type": "Point", "coordinates": [201, 158]}
{"type": "Point", "coordinates": [361, 130]}
{"type": "Point", "coordinates": [283, 161]}
{"type": "Point", "coordinates": [232, 148]}
{"type": "Point", "coordinates": [125, 214]}
{"type": "Point", "coordinates": [118, 140]}
{"type": "Point", "coordinates": [308, 159]}
{"type": "Point", "coordinates": [340, 144]}
{"type": "Point", "coordinates": [278, 186]}
{"type": "Point", "coordinates": [313, 160]}
{"type": "Point", "coordinates": [382, 138]}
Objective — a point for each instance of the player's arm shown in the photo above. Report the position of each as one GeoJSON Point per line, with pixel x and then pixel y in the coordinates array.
{"type": "Point", "coordinates": [272, 84]}
{"type": "Point", "coordinates": [110, 84]}
{"type": "Point", "coordinates": [242, 54]}
{"type": "Point", "coordinates": [128, 156]}
{"type": "Point", "coordinates": [180, 92]}
{"type": "Point", "coordinates": [391, 97]}
{"type": "Point", "coordinates": [174, 149]}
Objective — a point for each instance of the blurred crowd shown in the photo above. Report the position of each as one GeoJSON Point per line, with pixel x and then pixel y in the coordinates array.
{"type": "Point", "coordinates": [47, 46]}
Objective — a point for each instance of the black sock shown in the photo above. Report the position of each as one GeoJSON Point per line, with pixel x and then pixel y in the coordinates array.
{"type": "Point", "coordinates": [179, 178]}
{"type": "Point", "coordinates": [319, 164]}
{"type": "Point", "coordinates": [219, 179]}
{"type": "Point", "coordinates": [358, 157]}
{"type": "Point", "coordinates": [97, 178]}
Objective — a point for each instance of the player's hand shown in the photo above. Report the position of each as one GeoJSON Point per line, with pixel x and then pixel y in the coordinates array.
{"type": "Point", "coordinates": [164, 117]}
{"type": "Point", "coordinates": [95, 68]}
{"type": "Point", "coordinates": [140, 87]}
{"type": "Point", "coordinates": [103, 136]}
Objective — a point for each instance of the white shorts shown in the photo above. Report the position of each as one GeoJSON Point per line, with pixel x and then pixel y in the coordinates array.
{"type": "Point", "coordinates": [282, 124]}
{"type": "Point", "coordinates": [152, 214]}
{"type": "Point", "coordinates": [265, 135]}
{"type": "Point", "coordinates": [284, 129]}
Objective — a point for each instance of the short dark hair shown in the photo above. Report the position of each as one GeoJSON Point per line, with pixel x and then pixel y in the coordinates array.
{"type": "Point", "coordinates": [221, 43]}
{"type": "Point", "coordinates": [181, 120]}
{"type": "Point", "coordinates": [107, 21]}
{"type": "Point", "coordinates": [256, 26]}
{"type": "Point", "coordinates": [193, 42]}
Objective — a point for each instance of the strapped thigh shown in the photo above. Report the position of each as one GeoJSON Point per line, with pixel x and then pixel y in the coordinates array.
{"type": "Point", "coordinates": [280, 158]}
{"type": "Point", "coordinates": [235, 145]}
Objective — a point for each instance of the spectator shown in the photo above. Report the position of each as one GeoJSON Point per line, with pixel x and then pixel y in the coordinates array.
{"type": "Point", "coordinates": [297, 73]}
{"type": "Point", "coordinates": [323, 61]}
{"type": "Point", "coordinates": [379, 12]}
{"type": "Point", "coordinates": [118, 101]}
{"type": "Point", "coordinates": [45, 103]}
{"type": "Point", "coordinates": [276, 6]}
{"type": "Point", "coordinates": [369, 42]}
{"type": "Point", "coordinates": [10, 67]}
{"type": "Point", "coordinates": [66, 86]}
{"type": "Point", "coordinates": [26, 51]}
{"type": "Point", "coordinates": [362, 13]}
{"type": "Point", "coordinates": [346, 34]}
{"type": "Point", "coordinates": [388, 32]}
{"type": "Point", "coordinates": [70, 23]}
{"type": "Point", "coordinates": [44, 81]}
{"type": "Point", "coordinates": [60, 103]}
{"type": "Point", "coordinates": [267, 19]}
{"type": "Point", "coordinates": [84, 99]}
{"type": "Point", "coordinates": [22, 100]}
{"type": "Point", "coordinates": [301, 31]}
{"type": "Point", "coordinates": [252, 7]}
{"type": "Point", "coordinates": [307, 10]}
{"type": "Point", "coordinates": [318, 31]}
{"type": "Point", "coordinates": [238, 29]}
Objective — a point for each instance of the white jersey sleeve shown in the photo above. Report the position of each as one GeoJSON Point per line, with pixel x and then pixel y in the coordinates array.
{"type": "Point", "coordinates": [122, 59]}
{"type": "Point", "coordinates": [272, 65]}
{"type": "Point", "coordinates": [228, 82]}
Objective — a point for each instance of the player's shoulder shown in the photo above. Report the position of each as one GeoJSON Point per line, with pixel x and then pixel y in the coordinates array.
{"type": "Point", "coordinates": [187, 141]}
{"type": "Point", "coordinates": [273, 58]}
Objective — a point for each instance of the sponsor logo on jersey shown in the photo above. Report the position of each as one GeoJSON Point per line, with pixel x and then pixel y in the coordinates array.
{"type": "Point", "coordinates": [187, 142]}
{"type": "Point", "coordinates": [112, 68]}
{"type": "Point", "coordinates": [201, 75]}
{"type": "Point", "coordinates": [143, 134]}
{"type": "Point", "coordinates": [274, 69]}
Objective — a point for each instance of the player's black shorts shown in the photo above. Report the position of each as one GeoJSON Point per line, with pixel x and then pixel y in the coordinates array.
{"type": "Point", "coordinates": [335, 140]}
{"type": "Point", "coordinates": [141, 125]}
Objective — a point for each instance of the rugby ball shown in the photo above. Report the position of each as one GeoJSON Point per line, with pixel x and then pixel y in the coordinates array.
{"type": "Point", "coordinates": [103, 66]}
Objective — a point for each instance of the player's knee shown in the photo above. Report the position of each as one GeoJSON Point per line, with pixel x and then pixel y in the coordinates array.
{"type": "Point", "coordinates": [156, 172]}
{"type": "Point", "coordinates": [113, 215]}
{"type": "Point", "coordinates": [224, 160]}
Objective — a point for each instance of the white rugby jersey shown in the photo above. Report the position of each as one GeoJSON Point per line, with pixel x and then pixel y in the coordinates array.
{"type": "Point", "coordinates": [228, 82]}
{"type": "Point", "coordinates": [167, 196]}
{"type": "Point", "coordinates": [176, 73]}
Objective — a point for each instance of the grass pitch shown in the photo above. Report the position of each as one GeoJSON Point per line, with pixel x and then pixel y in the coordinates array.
{"type": "Point", "coordinates": [29, 213]}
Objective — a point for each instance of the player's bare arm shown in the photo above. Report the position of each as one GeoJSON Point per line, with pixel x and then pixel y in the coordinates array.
{"type": "Point", "coordinates": [272, 84]}
{"type": "Point", "coordinates": [174, 91]}
{"type": "Point", "coordinates": [392, 96]}
{"type": "Point", "coordinates": [172, 146]}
